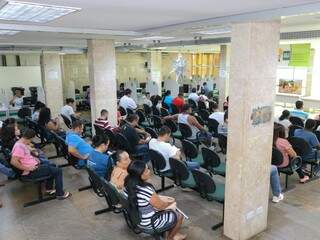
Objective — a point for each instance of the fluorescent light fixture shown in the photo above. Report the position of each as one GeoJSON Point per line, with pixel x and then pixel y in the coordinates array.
{"type": "Point", "coordinates": [8, 32]}
{"type": "Point", "coordinates": [216, 31]}
{"type": "Point", "coordinates": [151, 38]}
{"type": "Point", "coordinates": [33, 12]}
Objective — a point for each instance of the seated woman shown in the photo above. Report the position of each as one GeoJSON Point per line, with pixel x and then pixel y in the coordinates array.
{"type": "Point", "coordinates": [37, 107]}
{"type": "Point", "coordinates": [30, 167]}
{"type": "Point", "coordinates": [51, 124]}
{"type": "Point", "coordinates": [98, 161]}
{"type": "Point", "coordinates": [119, 172]}
{"type": "Point", "coordinates": [10, 134]}
{"type": "Point", "coordinates": [282, 144]}
{"type": "Point", "coordinates": [275, 185]}
{"type": "Point", "coordinates": [284, 121]}
{"type": "Point", "coordinates": [144, 200]}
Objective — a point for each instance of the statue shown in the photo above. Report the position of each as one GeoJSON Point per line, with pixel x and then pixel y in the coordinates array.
{"type": "Point", "coordinates": [178, 67]}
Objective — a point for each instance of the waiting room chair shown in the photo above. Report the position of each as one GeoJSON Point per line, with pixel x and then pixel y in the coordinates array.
{"type": "Point", "coordinates": [296, 121]}
{"type": "Point", "coordinates": [158, 163]}
{"type": "Point", "coordinates": [292, 129]}
{"type": "Point", "coordinates": [191, 152]}
{"type": "Point", "coordinates": [157, 122]}
{"type": "Point", "coordinates": [152, 132]}
{"type": "Point", "coordinates": [143, 121]}
{"type": "Point", "coordinates": [223, 141]}
{"type": "Point", "coordinates": [193, 104]}
{"type": "Point", "coordinates": [155, 111]}
{"type": "Point", "coordinates": [99, 131]}
{"type": "Point", "coordinates": [164, 112]}
{"type": "Point", "coordinates": [133, 220]}
{"type": "Point", "coordinates": [66, 121]}
{"type": "Point", "coordinates": [186, 133]}
{"type": "Point", "coordinates": [202, 105]}
{"type": "Point", "coordinates": [213, 127]}
{"type": "Point", "coordinates": [147, 110]}
{"type": "Point", "coordinates": [204, 114]}
{"type": "Point", "coordinates": [301, 147]}
{"type": "Point", "coordinates": [123, 144]}
{"type": "Point", "coordinates": [211, 190]}
{"type": "Point", "coordinates": [181, 174]}
{"type": "Point", "coordinates": [130, 111]}
{"type": "Point", "coordinates": [200, 120]}
{"type": "Point", "coordinates": [175, 132]}
{"type": "Point", "coordinates": [212, 162]}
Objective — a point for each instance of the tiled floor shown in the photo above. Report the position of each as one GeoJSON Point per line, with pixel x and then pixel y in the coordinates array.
{"type": "Point", "coordinates": [297, 217]}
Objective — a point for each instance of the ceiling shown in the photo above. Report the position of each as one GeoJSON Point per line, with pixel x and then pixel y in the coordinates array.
{"type": "Point", "coordinates": [124, 20]}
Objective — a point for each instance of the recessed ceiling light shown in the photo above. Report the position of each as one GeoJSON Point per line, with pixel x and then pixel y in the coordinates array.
{"type": "Point", "coordinates": [152, 38]}
{"type": "Point", "coordinates": [33, 12]}
{"type": "Point", "coordinates": [216, 31]}
{"type": "Point", "coordinates": [8, 32]}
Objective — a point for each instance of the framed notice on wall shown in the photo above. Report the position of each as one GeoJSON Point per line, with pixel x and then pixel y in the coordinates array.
{"type": "Point", "coordinates": [300, 55]}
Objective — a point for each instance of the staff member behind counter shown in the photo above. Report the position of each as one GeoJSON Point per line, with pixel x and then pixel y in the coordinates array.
{"type": "Point", "coordinates": [17, 100]}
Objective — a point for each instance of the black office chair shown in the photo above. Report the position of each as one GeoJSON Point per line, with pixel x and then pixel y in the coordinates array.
{"type": "Point", "coordinates": [296, 121]}
{"type": "Point", "coordinates": [181, 174]}
{"type": "Point", "coordinates": [123, 144]}
{"type": "Point", "coordinates": [66, 121]}
{"type": "Point", "coordinates": [222, 141]}
{"type": "Point", "coordinates": [202, 105]}
{"type": "Point", "coordinates": [133, 220]}
{"type": "Point", "coordinates": [143, 121]}
{"type": "Point", "coordinates": [152, 132]}
{"type": "Point", "coordinates": [175, 109]}
{"type": "Point", "coordinates": [164, 112]}
{"type": "Point", "coordinates": [130, 111]}
{"type": "Point", "coordinates": [191, 152]}
{"type": "Point", "coordinates": [193, 104]}
{"type": "Point", "coordinates": [99, 130]}
{"type": "Point", "coordinates": [301, 147]}
{"type": "Point", "coordinates": [204, 114]}
{"type": "Point", "coordinates": [158, 164]}
{"type": "Point", "coordinates": [147, 110]}
{"type": "Point", "coordinates": [175, 132]}
{"type": "Point", "coordinates": [292, 129]}
{"type": "Point", "coordinates": [155, 111]}
{"type": "Point", "coordinates": [213, 127]}
{"type": "Point", "coordinates": [200, 120]}
{"type": "Point", "coordinates": [212, 162]}
{"type": "Point", "coordinates": [157, 122]}
{"type": "Point", "coordinates": [294, 164]}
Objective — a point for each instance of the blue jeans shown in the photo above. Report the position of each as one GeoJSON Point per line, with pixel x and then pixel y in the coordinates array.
{"type": "Point", "coordinates": [143, 149]}
{"type": "Point", "coordinates": [48, 170]}
{"type": "Point", "coordinates": [192, 165]}
{"type": "Point", "coordinates": [7, 171]}
{"type": "Point", "coordinates": [275, 181]}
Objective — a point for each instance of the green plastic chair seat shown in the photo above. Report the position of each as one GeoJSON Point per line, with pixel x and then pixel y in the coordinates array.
{"type": "Point", "coordinates": [190, 182]}
{"type": "Point", "coordinates": [218, 195]}
{"type": "Point", "coordinates": [286, 170]}
{"type": "Point", "coordinates": [177, 134]}
{"type": "Point", "coordinates": [198, 159]}
{"type": "Point", "coordinates": [221, 169]}
{"type": "Point", "coordinates": [167, 174]}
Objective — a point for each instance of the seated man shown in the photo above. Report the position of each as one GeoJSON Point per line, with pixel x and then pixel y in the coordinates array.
{"type": "Point", "coordinates": [103, 122]}
{"type": "Point", "coordinates": [68, 109]}
{"type": "Point", "coordinates": [308, 135]}
{"type": "Point", "coordinates": [186, 118]}
{"type": "Point", "coordinates": [223, 128]}
{"type": "Point", "coordinates": [179, 101]}
{"type": "Point", "coordinates": [31, 167]}
{"type": "Point", "coordinates": [120, 172]}
{"type": "Point", "coordinates": [77, 146]}
{"type": "Point", "coordinates": [167, 150]}
{"type": "Point", "coordinates": [98, 160]}
{"type": "Point", "coordinates": [147, 99]}
{"type": "Point", "coordinates": [216, 114]}
{"type": "Point", "coordinates": [193, 95]}
{"type": "Point", "coordinates": [126, 101]}
{"type": "Point", "coordinates": [131, 131]}
{"type": "Point", "coordinates": [298, 111]}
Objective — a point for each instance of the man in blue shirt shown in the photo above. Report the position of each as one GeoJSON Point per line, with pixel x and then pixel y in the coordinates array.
{"type": "Point", "coordinates": [309, 137]}
{"type": "Point", "coordinates": [98, 161]}
{"type": "Point", "coordinates": [298, 111]}
{"type": "Point", "coordinates": [77, 146]}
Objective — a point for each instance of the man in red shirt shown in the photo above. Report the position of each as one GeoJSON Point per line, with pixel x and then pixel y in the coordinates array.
{"type": "Point", "coordinates": [179, 101]}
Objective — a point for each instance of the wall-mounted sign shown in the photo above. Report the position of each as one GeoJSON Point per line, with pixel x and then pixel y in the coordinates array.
{"type": "Point", "coordinates": [300, 55]}
{"type": "Point", "coordinates": [261, 115]}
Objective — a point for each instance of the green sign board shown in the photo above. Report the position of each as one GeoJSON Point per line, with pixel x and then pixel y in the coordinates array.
{"type": "Point", "coordinates": [300, 55]}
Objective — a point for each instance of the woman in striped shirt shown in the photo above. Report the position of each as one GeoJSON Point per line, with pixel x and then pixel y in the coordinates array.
{"type": "Point", "coordinates": [144, 200]}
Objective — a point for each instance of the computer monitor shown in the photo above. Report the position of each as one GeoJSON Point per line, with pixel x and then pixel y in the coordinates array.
{"type": "Point", "coordinates": [143, 85]}
{"type": "Point", "coordinates": [84, 88]}
{"type": "Point", "coordinates": [185, 88]}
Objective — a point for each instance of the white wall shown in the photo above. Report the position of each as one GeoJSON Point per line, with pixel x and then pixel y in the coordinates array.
{"type": "Point", "coordinates": [18, 77]}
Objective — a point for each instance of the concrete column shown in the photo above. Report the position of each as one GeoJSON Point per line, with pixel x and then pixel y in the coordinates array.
{"type": "Point", "coordinates": [52, 82]}
{"type": "Point", "coordinates": [156, 70]}
{"type": "Point", "coordinates": [223, 75]}
{"type": "Point", "coordinates": [253, 70]}
{"type": "Point", "coordinates": [102, 76]}
{"type": "Point", "coordinates": [315, 82]}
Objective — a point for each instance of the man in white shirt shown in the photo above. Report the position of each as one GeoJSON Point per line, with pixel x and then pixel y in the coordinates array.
{"type": "Point", "coordinates": [162, 145]}
{"type": "Point", "coordinates": [216, 114]}
{"type": "Point", "coordinates": [126, 101]}
{"type": "Point", "coordinates": [147, 99]}
{"type": "Point", "coordinates": [193, 95]}
{"type": "Point", "coordinates": [67, 110]}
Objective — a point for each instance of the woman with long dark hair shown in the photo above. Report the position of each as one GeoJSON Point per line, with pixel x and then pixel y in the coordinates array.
{"type": "Point", "coordinates": [51, 124]}
{"type": "Point", "coordinates": [284, 121]}
{"type": "Point", "coordinates": [146, 202]}
{"type": "Point", "coordinates": [10, 133]}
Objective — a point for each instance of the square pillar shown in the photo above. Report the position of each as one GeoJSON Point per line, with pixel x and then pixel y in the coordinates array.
{"type": "Point", "coordinates": [223, 74]}
{"type": "Point", "coordinates": [253, 69]}
{"type": "Point", "coordinates": [156, 70]}
{"type": "Point", "coordinates": [102, 76]}
{"type": "Point", "coordinates": [52, 81]}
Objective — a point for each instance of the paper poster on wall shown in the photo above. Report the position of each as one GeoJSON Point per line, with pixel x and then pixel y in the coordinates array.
{"type": "Point", "coordinates": [291, 80]}
{"type": "Point", "coordinates": [261, 115]}
{"type": "Point", "coordinates": [300, 55]}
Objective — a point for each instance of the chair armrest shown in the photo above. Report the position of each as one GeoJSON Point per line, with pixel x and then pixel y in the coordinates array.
{"type": "Point", "coordinates": [295, 163]}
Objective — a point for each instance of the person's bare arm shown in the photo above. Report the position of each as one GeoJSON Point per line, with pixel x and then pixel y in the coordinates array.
{"type": "Point", "coordinates": [193, 121]}
{"type": "Point", "coordinates": [173, 117]}
{"type": "Point", "coordinates": [76, 154]}
{"type": "Point", "coordinates": [158, 203]}
{"type": "Point", "coordinates": [291, 152]}
{"type": "Point", "coordinates": [177, 155]}
{"type": "Point", "coordinates": [52, 126]}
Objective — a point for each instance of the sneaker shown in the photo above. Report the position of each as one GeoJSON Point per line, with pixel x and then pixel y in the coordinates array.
{"type": "Point", "coordinates": [278, 199]}
{"type": "Point", "coordinates": [304, 179]}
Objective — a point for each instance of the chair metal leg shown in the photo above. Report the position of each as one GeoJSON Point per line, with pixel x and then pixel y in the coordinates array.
{"type": "Point", "coordinates": [163, 186]}
{"type": "Point", "coordinates": [220, 224]}
{"type": "Point", "coordinates": [85, 188]}
{"type": "Point", "coordinates": [105, 210]}
{"type": "Point", "coordinates": [287, 179]}
{"type": "Point", "coordinates": [40, 198]}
